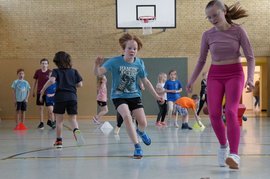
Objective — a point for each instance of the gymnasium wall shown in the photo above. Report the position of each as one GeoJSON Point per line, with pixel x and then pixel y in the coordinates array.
{"type": "Point", "coordinates": [34, 29]}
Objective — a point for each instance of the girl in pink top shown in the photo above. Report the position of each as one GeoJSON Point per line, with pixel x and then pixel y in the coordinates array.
{"type": "Point", "coordinates": [225, 75]}
{"type": "Point", "coordinates": [101, 98]}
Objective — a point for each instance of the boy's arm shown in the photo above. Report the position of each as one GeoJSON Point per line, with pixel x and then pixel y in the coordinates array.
{"type": "Point", "coordinates": [197, 118]}
{"type": "Point", "coordinates": [80, 84]}
{"type": "Point", "coordinates": [27, 96]}
{"type": "Point", "coordinates": [34, 88]}
{"type": "Point", "coordinates": [14, 95]}
{"type": "Point", "coordinates": [141, 85]}
{"type": "Point", "coordinates": [47, 84]}
{"type": "Point", "coordinates": [150, 87]}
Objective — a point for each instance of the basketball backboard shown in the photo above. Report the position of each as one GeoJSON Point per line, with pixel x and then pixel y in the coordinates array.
{"type": "Point", "coordinates": [129, 11]}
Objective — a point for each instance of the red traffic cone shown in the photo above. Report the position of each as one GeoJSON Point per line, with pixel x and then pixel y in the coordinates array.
{"type": "Point", "coordinates": [20, 127]}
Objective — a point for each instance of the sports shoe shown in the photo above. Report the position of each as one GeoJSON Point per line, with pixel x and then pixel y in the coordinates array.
{"type": "Point", "coordinates": [116, 130]}
{"type": "Point", "coordinates": [158, 124]}
{"type": "Point", "coordinates": [163, 123]}
{"type": "Point", "coordinates": [41, 125]}
{"type": "Point", "coordinates": [58, 144]}
{"type": "Point", "coordinates": [138, 153]}
{"type": "Point", "coordinates": [96, 121]}
{"type": "Point", "coordinates": [222, 155]}
{"type": "Point", "coordinates": [145, 138]}
{"type": "Point", "coordinates": [78, 137]}
{"type": "Point", "coordinates": [233, 161]}
{"type": "Point", "coordinates": [186, 126]}
{"type": "Point", "coordinates": [51, 124]}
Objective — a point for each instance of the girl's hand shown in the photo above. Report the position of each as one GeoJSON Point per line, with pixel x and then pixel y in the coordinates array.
{"type": "Point", "coordinates": [249, 87]}
{"type": "Point", "coordinates": [160, 100]}
{"type": "Point", "coordinates": [99, 60]}
{"type": "Point", "coordinates": [189, 88]}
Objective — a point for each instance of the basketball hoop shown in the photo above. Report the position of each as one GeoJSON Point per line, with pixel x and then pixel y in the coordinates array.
{"type": "Point", "coordinates": [146, 24]}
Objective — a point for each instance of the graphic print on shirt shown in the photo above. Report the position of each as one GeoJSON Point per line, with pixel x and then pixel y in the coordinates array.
{"type": "Point", "coordinates": [127, 83]}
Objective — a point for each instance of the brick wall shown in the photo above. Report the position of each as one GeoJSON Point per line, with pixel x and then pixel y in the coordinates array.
{"type": "Point", "coordinates": [33, 29]}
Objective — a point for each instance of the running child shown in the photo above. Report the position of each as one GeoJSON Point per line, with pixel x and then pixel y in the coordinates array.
{"type": "Point", "coordinates": [126, 70]}
{"type": "Point", "coordinates": [67, 79]}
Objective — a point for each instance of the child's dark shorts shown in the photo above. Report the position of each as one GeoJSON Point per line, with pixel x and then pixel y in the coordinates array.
{"type": "Point", "coordinates": [69, 106]}
{"type": "Point", "coordinates": [133, 103]}
{"type": "Point", "coordinates": [102, 103]}
{"type": "Point", "coordinates": [21, 106]}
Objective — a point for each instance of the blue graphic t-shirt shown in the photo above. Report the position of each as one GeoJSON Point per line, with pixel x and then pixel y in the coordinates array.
{"type": "Point", "coordinates": [21, 88]}
{"type": "Point", "coordinates": [173, 85]}
{"type": "Point", "coordinates": [125, 77]}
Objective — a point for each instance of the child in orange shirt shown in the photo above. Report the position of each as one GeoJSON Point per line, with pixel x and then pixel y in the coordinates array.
{"type": "Point", "coordinates": [182, 104]}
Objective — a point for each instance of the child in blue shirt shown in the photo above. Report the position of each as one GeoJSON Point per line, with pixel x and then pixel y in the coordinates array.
{"type": "Point", "coordinates": [50, 92]}
{"type": "Point", "coordinates": [126, 70]}
{"type": "Point", "coordinates": [21, 90]}
{"type": "Point", "coordinates": [173, 88]}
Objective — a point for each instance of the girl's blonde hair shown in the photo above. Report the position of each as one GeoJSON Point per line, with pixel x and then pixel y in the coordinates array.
{"type": "Point", "coordinates": [161, 76]}
{"type": "Point", "coordinates": [233, 12]}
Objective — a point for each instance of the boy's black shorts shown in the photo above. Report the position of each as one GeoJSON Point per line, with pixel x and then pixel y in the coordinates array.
{"type": "Point", "coordinates": [21, 106]}
{"type": "Point", "coordinates": [69, 106]}
{"type": "Point", "coordinates": [133, 103]}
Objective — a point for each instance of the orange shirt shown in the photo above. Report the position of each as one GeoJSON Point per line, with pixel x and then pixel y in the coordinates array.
{"type": "Point", "coordinates": [186, 102]}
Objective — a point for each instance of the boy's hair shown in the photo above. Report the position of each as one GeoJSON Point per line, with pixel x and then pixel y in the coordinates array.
{"type": "Point", "coordinates": [44, 60]}
{"type": "Point", "coordinates": [172, 71]}
{"type": "Point", "coordinates": [62, 60]}
{"type": "Point", "coordinates": [19, 70]}
{"type": "Point", "coordinates": [126, 37]}
{"type": "Point", "coordinates": [195, 97]}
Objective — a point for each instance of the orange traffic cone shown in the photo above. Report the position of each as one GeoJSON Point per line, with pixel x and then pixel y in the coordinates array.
{"type": "Point", "coordinates": [20, 127]}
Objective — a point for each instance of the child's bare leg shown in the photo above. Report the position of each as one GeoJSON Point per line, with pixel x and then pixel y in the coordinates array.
{"type": "Point", "coordinates": [185, 119]}
{"type": "Point", "coordinates": [103, 110]}
{"type": "Point", "coordinates": [18, 113]}
{"type": "Point", "coordinates": [170, 109]}
{"type": "Point", "coordinates": [59, 125]}
{"type": "Point", "coordinates": [125, 113]}
{"type": "Point", "coordinates": [41, 109]}
{"type": "Point", "coordinates": [50, 113]}
{"type": "Point", "coordinates": [73, 121]}
{"type": "Point", "coordinates": [140, 117]}
{"type": "Point", "coordinates": [23, 116]}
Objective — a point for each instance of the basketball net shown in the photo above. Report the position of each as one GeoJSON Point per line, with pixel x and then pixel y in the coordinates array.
{"type": "Point", "coordinates": [146, 22]}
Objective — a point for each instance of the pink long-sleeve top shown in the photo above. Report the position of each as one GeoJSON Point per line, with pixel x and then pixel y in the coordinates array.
{"type": "Point", "coordinates": [225, 45]}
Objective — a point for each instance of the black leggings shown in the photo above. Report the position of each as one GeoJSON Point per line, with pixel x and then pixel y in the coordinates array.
{"type": "Point", "coordinates": [162, 111]}
{"type": "Point", "coordinates": [119, 120]}
{"type": "Point", "coordinates": [201, 103]}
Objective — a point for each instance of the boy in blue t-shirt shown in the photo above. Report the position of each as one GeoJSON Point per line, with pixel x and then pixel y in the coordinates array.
{"type": "Point", "coordinates": [173, 87]}
{"type": "Point", "coordinates": [125, 92]}
{"type": "Point", "coordinates": [21, 90]}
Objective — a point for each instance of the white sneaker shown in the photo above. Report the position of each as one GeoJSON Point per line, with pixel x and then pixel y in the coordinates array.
{"type": "Point", "coordinates": [116, 130]}
{"type": "Point", "coordinates": [233, 161]}
{"type": "Point", "coordinates": [222, 155]}
{"type": "Point", "coordinates": [79, 138]}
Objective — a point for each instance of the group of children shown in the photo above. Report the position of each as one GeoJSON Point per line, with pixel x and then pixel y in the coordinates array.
{"type": "Point", "coordinates": [226, 75]}
{"type": "Point", "coordinates": [57, 89]}
{"type": "Point", "coordinates": [21, 90]}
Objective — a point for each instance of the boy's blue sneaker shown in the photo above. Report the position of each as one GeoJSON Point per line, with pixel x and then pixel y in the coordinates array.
{"type": "Point", "coordinates": [145, 138]}
{"type": "Point", "coordinates": [138, 153]}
